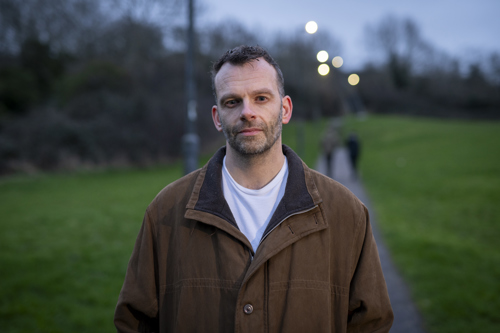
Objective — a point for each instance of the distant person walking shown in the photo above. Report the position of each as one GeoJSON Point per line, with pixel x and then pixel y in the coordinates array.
{"type": "Point", "coordinates": [329, 144]}
{"type": "Point", "coordinates": [354, 148]}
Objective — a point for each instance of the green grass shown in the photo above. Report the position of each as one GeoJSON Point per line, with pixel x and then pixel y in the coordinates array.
{"type": "Point", "coordinates": [304, 138]}
{"type": "Point", "coordinates": [65, 244]}
{"type": "Point", "coordinates": [66, 240]}
{"type": "Point", "coordinates": [435, 186]}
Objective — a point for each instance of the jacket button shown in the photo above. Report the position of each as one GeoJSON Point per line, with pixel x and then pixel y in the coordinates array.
{"type": "Point", "coordinates": [248, 309]}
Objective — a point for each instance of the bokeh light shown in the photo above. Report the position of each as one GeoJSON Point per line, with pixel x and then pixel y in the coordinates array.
{"type": "Point", "coordinates": [311, 27]}
{"type": "Point", "coordinates": [337, 62]}
{"type": "Point", "coordinates": [322, 56]}
{"type": "Point", "coordinates": [323, 69]}
{"type": "Point", "coordinates": [353, 79]}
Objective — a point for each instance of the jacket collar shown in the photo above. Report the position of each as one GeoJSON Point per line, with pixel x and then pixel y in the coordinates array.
{"type": "Point", "coordinates": [300, 191]}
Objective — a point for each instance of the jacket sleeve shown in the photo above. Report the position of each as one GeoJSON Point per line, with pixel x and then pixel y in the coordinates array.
{"type": "Point", "coordinates": [369, 305]}
{"type": "Point", "coordinates": [137, 308]}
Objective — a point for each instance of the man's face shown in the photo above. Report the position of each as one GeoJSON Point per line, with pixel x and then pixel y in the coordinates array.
{"type": "Point", "coordinates": [249, 109]}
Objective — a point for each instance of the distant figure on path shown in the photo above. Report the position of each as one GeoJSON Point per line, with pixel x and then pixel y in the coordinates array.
{"type": "Point", "coordinates": [329, 144]}
{"type": "Point", "coordinates": [354, 147]}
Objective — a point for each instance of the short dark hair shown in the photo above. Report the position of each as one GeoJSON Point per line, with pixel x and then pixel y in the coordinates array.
{"type": "Point", "coordinates": [243, 54]}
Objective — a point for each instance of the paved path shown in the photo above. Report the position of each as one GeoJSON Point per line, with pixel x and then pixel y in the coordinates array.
{"type": "Point", "coordinates": [406, 316]}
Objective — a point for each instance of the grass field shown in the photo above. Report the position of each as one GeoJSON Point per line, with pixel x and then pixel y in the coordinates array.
{"type": "Point", "coordinates": [65, 243]}
{"type": "Point", "coordinates": [435, 186]}
{"type": "Point", "coordinates": [304, 138]}
{"type": "Point", "coordinates": [66, 240]}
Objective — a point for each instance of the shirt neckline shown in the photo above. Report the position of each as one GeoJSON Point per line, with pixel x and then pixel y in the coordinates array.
{"type": "Point", "coordinates": [276, 181]}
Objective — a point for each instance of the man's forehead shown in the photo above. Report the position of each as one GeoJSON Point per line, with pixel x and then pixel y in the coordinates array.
{"type": "Point", "coordinates": [254, 70]}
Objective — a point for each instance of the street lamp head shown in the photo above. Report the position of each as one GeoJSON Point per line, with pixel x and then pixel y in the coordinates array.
{"type": "Point", "coordinates": [337, 62]}
{"type": "Point", "coordinates": [353, 79]}
{"type": "Point", "coordinates": [323, 69]}
{"type": "Point", "coordinates": [322, 56]}
{"type": "Point", "coordinates": [311, 27]}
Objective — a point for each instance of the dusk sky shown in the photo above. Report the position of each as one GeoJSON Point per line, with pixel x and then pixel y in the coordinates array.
{"type": "Point", "coordinates": [464, 29]}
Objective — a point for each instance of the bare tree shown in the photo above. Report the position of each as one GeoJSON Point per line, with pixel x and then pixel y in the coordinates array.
{"type": "Point", "coordinates": [401, 46]}
{"type": "Point", "coordinates": [218, 38]}
{"type": "Point", "coordinates": [60, 23]}
{"type": "Point", "coordinates": [493, 66]}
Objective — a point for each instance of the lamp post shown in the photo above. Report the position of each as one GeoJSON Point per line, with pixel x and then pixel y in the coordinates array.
{"type": "Point", "coordinates": [350, 95]}
{"type": "Point", "coordinates": [190, 140]}
{"type": "Point", "coordinates": [311, 28]}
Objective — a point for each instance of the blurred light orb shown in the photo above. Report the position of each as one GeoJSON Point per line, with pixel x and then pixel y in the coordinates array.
{"type": "Point", "coordinates": [353, 79]}
{"type": "Point", "coordinates": [323, 69]}
{"type": "Point", "coordinates": [337, 62]}
{"type": "Point", "coordinates": [322, 56]}
{"type": "Point", "coordinates": [311, 27]}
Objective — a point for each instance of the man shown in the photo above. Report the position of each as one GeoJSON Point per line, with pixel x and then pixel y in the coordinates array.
{"type": "Point", "coordinates": [329, 144]}
{"type": "Point", "coordinates": [353, 146]}
{"type": "Point", "coordinates": [255, 241]}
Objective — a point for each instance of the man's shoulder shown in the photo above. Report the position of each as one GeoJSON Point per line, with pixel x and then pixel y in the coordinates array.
{"type": "Point", "coordinates": [331, 191]}
{"type": "Point", "coordinates": [176, 193]}
{"type": "Point", "coordinates": [346, 213]}
{"type": "Point", "coordinates": [185, 191]}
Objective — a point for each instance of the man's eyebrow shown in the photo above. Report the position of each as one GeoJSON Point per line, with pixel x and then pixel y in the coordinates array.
{"type": "Point", "coordinates": [264, 91]}
{"type": "Point", "coordinates": [227, 96]}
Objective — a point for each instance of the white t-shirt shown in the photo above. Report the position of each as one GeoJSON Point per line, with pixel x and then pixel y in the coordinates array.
{"type": "Point", "coordinates": [253, 209]}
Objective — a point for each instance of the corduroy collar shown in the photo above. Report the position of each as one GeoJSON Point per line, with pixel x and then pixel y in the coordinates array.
{"type": "Point", "coordinates": [296, 198]}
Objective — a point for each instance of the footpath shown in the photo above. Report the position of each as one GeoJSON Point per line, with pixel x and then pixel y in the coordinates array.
{"type": "Point", "coordinates": [406, 317]}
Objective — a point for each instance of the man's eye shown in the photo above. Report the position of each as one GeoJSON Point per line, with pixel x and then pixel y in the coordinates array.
{"type": "Point", "coordinates": [231, 103]}
{"type": "Point", "coordinates": [262, 98]}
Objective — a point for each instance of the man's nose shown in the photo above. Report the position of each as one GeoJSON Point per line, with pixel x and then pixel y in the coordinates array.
{"type": "Point", "coordinates": [247, 112]}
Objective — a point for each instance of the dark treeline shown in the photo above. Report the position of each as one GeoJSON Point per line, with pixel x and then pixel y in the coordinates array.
{"type": "Point", "coordinates": [82, 88]}
{"type": "Point", "coordinates": [416, 78]}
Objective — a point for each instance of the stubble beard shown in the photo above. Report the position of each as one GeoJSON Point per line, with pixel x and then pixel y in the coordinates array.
{"type": "Point", "coordinates": [254, 145]}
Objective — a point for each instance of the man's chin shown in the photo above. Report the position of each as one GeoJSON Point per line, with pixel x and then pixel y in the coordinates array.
{"type": "Point", "coordinates": [250, 148]}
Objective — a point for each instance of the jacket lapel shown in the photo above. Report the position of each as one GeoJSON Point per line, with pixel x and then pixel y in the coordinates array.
{"type": "Point", "coordinates": [285, 234]}
{"type": "Point", "coordinates": [207, 204]}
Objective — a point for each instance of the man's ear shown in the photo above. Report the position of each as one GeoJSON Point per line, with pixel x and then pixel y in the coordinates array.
{"type": "Point", "coordinates": [286, 109]}
{"type": "Point", "coordinates": [216, 119]}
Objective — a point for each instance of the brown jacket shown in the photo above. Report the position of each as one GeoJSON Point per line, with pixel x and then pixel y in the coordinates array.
{"type": "Point", "coordinates": [316, 269]}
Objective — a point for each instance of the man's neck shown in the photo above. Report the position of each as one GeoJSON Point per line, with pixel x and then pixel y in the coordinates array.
{"type": "Point", "coordinates": [255, 171]}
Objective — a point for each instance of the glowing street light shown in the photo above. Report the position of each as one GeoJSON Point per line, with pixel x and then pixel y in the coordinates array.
{"type": "Point", "coordinates": [337, 62]}
{"type": "Point", "coordinates": [311, 27]}
{"type": "Point", "coordinates": [322, 56]}
{"type": "Point", "coordinates": [353, 79]}
{"type": "Point", "coordinates": [323, 69]}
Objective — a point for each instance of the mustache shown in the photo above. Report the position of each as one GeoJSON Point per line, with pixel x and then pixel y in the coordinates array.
{"type": "Point", "coordinates": [254, 124]}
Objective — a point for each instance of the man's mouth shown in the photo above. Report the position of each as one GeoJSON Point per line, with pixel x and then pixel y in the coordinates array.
{"type": "Point", "coordinates": [250, 131]}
